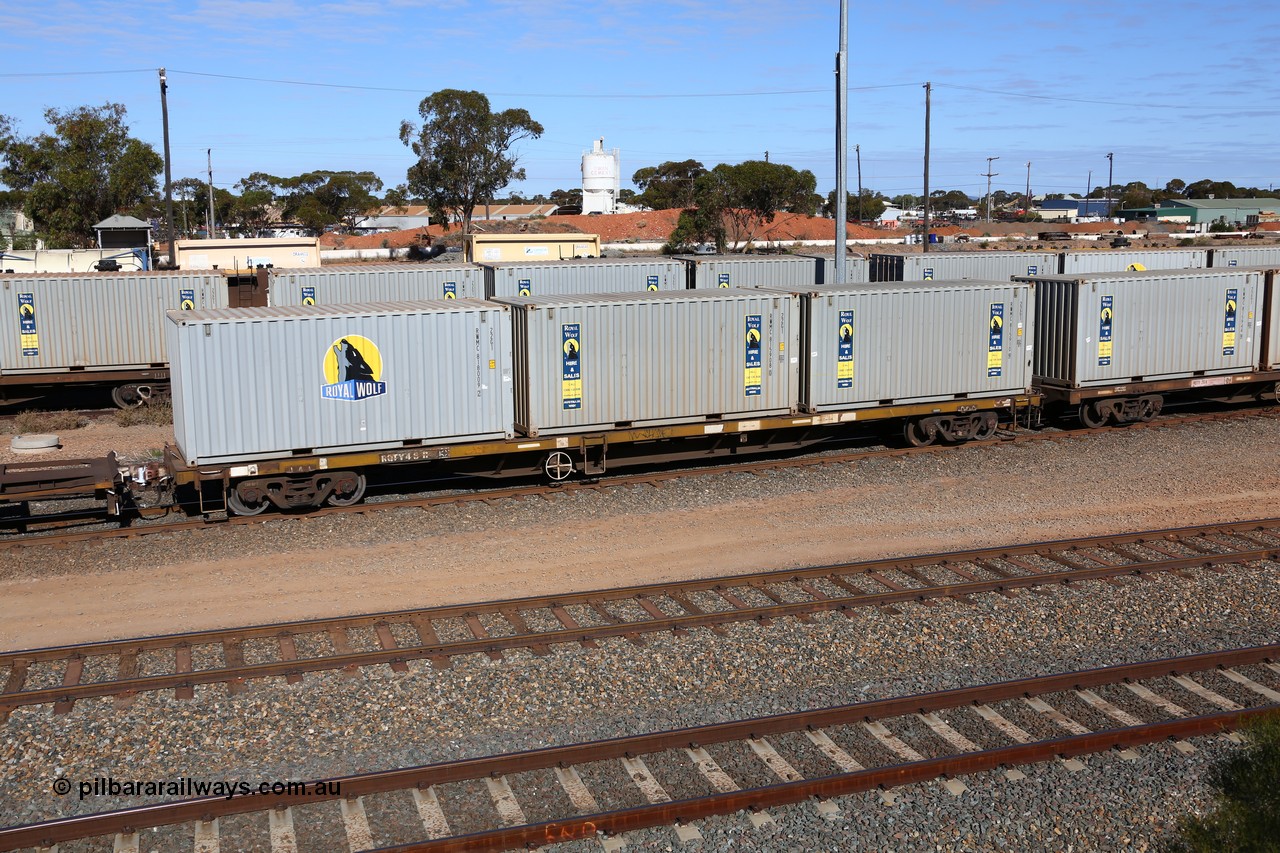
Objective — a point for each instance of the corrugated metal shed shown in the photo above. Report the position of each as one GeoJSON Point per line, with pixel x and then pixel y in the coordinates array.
{"type": "Point", "coordinates": [95, 321]}
{"type": "Point", "coordinates": [1100, 329]}
{"type": "Point", "coordinates": [346, 284]}
{"type": "Point", "coordinates": [258, 383]}
{"type": "Point", "coordinates": [595, 362]}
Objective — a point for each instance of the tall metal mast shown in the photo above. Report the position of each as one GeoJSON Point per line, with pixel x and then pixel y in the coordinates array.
{"type": "Point", "coordinates": [842, 155]}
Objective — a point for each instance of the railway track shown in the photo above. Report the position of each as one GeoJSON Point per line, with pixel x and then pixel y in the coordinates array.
{"type": "Point", "coordinates": [17, 533]}
{"type": "Point", "coordinates": [607, 788]}
{"type": "Point", "coordinates": [61, 676]}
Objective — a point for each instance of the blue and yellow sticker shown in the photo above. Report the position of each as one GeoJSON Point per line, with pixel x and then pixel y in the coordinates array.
{"type": "Point", "coordinates": [995, 340]}
{"type": "Point", "coordinates": [1105, 317]}
{"type": "Point", "coordinates": [844, 351]}
{"type": "Point", "coordinates": [1033, 269]}
{"type": "Point", "coordinates": [308, 296]}
{"type": "Point", "coordinates": [571, 366]}
{"type": "Point", "coordinates": [187, 300]}
{"type": "Point", "coordinates": [928, 273]}
{"type": "Point", "coordinates": [752, 358]}
{"type": "Point", "coordinates": [27, 334]}
{"type": "Point", "coordinates": [524, 287]}
{"type": "Point", "coordinates": [352, 370]}
{"type": "Point", "coordinates": [651, 283]}
{"type": "Point", "coordinates": [722, 280]}
{"type": "Point", "coordinates": [450, 290]}
{"type": "Point", "coordinates": [1229, 323]}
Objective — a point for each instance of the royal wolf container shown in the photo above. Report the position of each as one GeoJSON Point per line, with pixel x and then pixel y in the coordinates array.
{"type": "Point", "coordinates": [950, 266]}
{"type": "Point", "coordinates": [95, 321]}
{"type": "Point", "coordinates": [619, 360]}
{"type": "Point", "coordinates": [899, 343]}
{"type": "Point", "coordinates": [584, 275]}
{"type": "Point", "coordinates": [265, 383]}
{"type": "Point", "coordinates": [344, 285]}
{"type": "Point", "coordinates": [1246, 256]}
{"type": "Point", "coordinates": [1121, 260]}
{"type": "Point", "coordinates": [728, 271]}
{"type": "Point", "coordinates": [1102, 328]}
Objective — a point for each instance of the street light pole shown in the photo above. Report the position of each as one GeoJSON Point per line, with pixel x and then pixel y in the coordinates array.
{"type": "Point", "coordinates": [842, 151]}
{"type": "Point", "coordinates": [989, 174]}
{"type": "Point", "coordinates": [168, 174]}
{"type": "Point", "coordinates": [1110, 165]}
{"type": "Point", "coordinates": [1026, 212]}
{"type": "Point", "coordinates": [928, 93]}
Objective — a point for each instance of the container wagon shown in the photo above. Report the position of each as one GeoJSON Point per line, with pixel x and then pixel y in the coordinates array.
{"type": "Point", "coordinates": [1114, 345]}
{"type": "Point", "coordinates": [730, 271]}
{"type": "Point", "coordinates": [946, 357]}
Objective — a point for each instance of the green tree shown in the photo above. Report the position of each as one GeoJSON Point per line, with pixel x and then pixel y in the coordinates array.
{"type": "Point", "coordinates": [696, 225]}
{"type": "Point", "coordinates": [1246, 815]}
{"type": "Point", "coordinates": [748, 195]}
{"type": "Point", "coordinates": [85, 170]}
{"type": "Point", "coordinates": [949, 200]}
{"type": "Point", "coordinates": [464, 151]}
{"type": "Point", "coordinates": [567, 198]}
{"type": "Point", "coordinates": [669, 185]}
{"type": "Point", "coordinates": [873, 204]}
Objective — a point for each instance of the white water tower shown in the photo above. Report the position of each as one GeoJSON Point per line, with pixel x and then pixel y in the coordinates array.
{"type": "Point", "coordinates": [600, 170]}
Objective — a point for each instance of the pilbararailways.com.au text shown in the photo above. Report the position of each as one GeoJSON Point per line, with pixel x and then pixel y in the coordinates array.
{"type": "Point", "coordinates": [186, 787]}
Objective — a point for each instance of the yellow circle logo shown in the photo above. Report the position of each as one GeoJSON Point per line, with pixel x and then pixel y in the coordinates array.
{"type": "Point", "coordinates": [572, 348]}
{"type": "Point", "coordinates": [352, 357]}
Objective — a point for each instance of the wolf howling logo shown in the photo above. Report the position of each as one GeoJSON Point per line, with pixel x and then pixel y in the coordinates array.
{"type": "Point", "coordinates": [352, 370]}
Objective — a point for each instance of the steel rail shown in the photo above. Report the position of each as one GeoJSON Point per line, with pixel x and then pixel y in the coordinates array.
{"type": "Point", "coordinates": [207, 808]}
{"type": "Point", "coordinates": [68, 693]}
{"type": "Point", "coordinates": [34, 539]}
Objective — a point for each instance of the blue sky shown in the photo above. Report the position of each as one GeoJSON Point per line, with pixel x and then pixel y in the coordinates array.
{"type": "Point", "coordinates": [1174, 89]}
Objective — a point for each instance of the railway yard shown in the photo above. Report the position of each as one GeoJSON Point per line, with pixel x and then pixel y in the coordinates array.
{"type": "Point", "coordinates": [654, 607]}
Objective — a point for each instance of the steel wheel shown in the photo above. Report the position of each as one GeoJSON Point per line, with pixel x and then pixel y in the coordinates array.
{"type": "Point", "coordinates": [1092, 416]}
{"type": "Point", "coordinates": [354, 495]}
{"type": "Point", "coordinates": [127, 396]}
{"type": "Point", "coordinates": [558, 467]}
{"type": "Point", "coordinates": [236, 504]}
{"type": "Point", "coordinates": [919, 434]}
{"type": "Point", "coordinates": [988, 423]}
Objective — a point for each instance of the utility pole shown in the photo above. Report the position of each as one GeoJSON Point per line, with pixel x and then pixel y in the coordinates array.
{"type": "Point", "coordinates": [842, 151]}
{"type": "Point", "coordinates": [857, 150]}
{"type": "Point", "coordinates": [1088, 188]}
{"type": "Point", "coordinates": [1026, 209]}
{"type": "Point", "coordinates": [928, 92]}
{"type": "Point", "coordinates": [766, 156]}
{"type": "Point", "coordinates": [212, 222]}
{"type": "Point", "coordinates": [168, 173]}
{"type": "Point", "coordinates": [1110, 165]}
{"type": "Point", "coordinates": [989, 175]}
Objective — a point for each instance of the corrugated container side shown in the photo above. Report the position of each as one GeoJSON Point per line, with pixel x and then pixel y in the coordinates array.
{"type": "Point", "coordinates": [1119, 260]}
{"type": "Point", "coordinates": [729, 271]}
{"type": "Point", "coordinates": [1271, 287]}
{"type": "Point", "coordinates": [586, 363]}
{"type": "Point", "coordinates": [856, 270]}
{"type": "Point", "coordinates": [1100, 329]}
{"type": "Point", "coordinates": [1245, 256]}
{"type": "Point", "coordinates": [259, 383]}
{"type": "Point", "coordinates": [587, 275]}
{"type": "Point", "coordinates": [357, 283]}
{"type": "Point", "coordinates": [95, 321]}
{"type": "Point", "coordinates": [988, 266]}
{"type": "Point", "coordinates": [913, 343]}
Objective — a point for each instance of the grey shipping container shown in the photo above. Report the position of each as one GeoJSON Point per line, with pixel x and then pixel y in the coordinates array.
{"type": "Point", "coordinates": [726, 271]}
{"type": "Point", "coordinates": [595, 362]}
{"type": "Point", "coordinates": [1270, 276]}
{"type": "Point", "coordinates": [1246, 256]}
{"type": "Point", "coordinates": [950, 266]}
{"type": "Point", "coordinates": [355, 283]}
{"type": "Point", "coordinates": [1103, 328]}
{"type": "Point", "coordinates": [583, 275]}
{"type": "Point", "coordinates": [54, 323]}
{"type": "Point", "coordinates": [856, 270]}
{"type": "Point", "coordinates": [262, 383]}
{"type": "Point", "coordinates": [1120, 260]}
{"type": "Point", "coordinates": [903, 342]}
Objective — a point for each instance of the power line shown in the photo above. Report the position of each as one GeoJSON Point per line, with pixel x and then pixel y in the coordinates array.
{"type": "Point", "coordinates": [1088, 101]}
{"type": "Point", "coordinates": [78, 73]}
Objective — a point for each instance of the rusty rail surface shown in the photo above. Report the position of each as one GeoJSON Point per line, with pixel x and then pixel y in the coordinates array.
{"type": "Point", "coordinates": [629, 612]}
{"type": "Point", "coordinates": [427, 777]}
{"type": "Point", "coordinates": [655, 478]}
